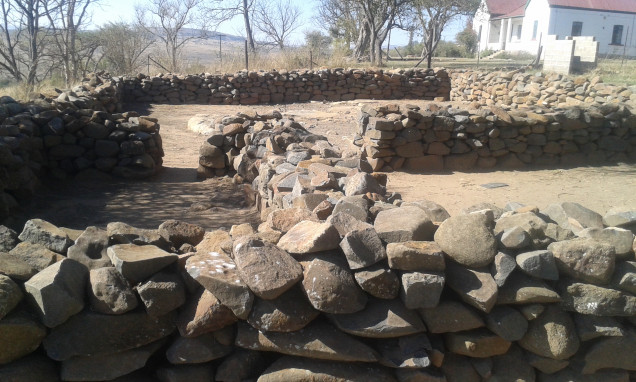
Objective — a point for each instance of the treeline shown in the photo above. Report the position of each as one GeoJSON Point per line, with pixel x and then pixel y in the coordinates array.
{"type": "Point", "coordinates": [44, 38]}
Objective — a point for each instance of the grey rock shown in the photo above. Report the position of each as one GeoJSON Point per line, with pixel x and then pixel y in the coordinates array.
{"type": "Point", "coordinates": [90, 248]}
{"type": "Point", "coordinates": [362, 248]}
{"type": "Point", "coordinates": [434, 211]}
{"type": "Point", "coordinates": [122, 233]}
{"type": "Point", "coordinates": [109, 292]}
{"type": "Point", "coordinates": [356, 206]}
{"type": "Point", "coordinates": [475, 286]}
{"type": "Point", "coordinates": [380, 319]}
{"type": "Point", "coordinates": [502, 268]}
{"type": "Point", "coordinates": [551, 335]}
{"type": "Point", "coordinates": [345, 223]}
{"type": "Point", "coordinates": [240, 365]}
{"type": "Point", "coordinates": [538, 264]}
{"type": "Point", "coordinates": [218, 274]}
{"type": "Point", "coordinates": [162, 293]}
{"type": "Point", "coordinates": [611, 353]}
{"type": "Point", "coordinates": [8, 239]}
{"type": "Point", "coordinates": [378, 281]}
{"type": "Point", "coordinates": [416, 256]}
{"type": "Point", "coordinates": [137, 262]}
{"type": "Point", "coordinates": [361, 183]}
{"type": "Point", "coordinates": [20, 335]}
{"type": "Point", "coordinates": [618, 217]}
{"type": "Point", "coordinates": [90, 333]}
{"type": "Point", "coordinates": [288, 312]}
{"type": "Point", "coordinates": [451, 316]}
{"type": "Point", "coordinates": [478, 343]}
{"type": "Point", "coordinates": [584, 259]}
{"type": "Point", "coordinates": [309, 237]}
{"type": "Point", "coordinates": [38, 231]}
{"type": "Point", "coordinates": [591, 327]}
{"type": "Point", "coordinates": [531, 311]}
{"type": "Point", "coordinates": [57, 292]}
{"type": "Point", "coordinates": [301, 369]}
{"type": "Point", "coordinates": [10, 295]}
{"type": "Point", "coordinates": [283, 220]}
{"type": "Point", "coordinates": [404, 224]}
{"type": "Point", "coordinates": [28, 256]}
{"type": "Point", "coordinates": [596, 300]}
{"type": "Point", "coordinates": [203, 313]}
{"type": "Point", "coordinates": [406, 352]}
{"type": "Point", "coordinates": [555, 232]}
{"type": "Point", "coordinates": [521, 289]}
{"type": "Point", "coordinates": [573, 216]}
{"type": "Point", "coordinates": [624, 277]}
{"type": "Point", "coordinates": [103, 367]}
{"type": "Point", "coordinates": [515, 238]}
{"type": "Point", "coordinates": [421, 290]}
{"type": "Point", "coordinates": [507, 323]}
{"type": "Point", "coordinates": [497, 211]}
{"type": "Point", "coordinates": [330, 287]}
{"type": "Point", "coordinates": [179, 232]}
{"type": "Point", "coordinates": [621, 239]}
{"type": "Point", "coordinates": [475, 247]}
{"type": "Point", "coordinates": [319, 341]}
{"type": "Point", "coordinates": [530, 222]}
{"type": "Point", "coordinates": [203, 348]}
{"type": "Point", "coordinates": [266, 269]}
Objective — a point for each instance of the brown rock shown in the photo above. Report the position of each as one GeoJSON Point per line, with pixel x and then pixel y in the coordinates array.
{"type": "Point", "coordinates": [309, 237]}
{"type": "Point", "coordinates": [203, 313]}
{"type": "Point", "coordinates": [475, 287]}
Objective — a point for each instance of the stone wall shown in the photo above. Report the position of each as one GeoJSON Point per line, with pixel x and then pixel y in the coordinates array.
{"type": "Point", "coordinates": [251, 88]}
{"type": "Point", "coordinates": [72, 134]}
{"type": "Point", "coordinates": [520, 88]}
{"type": "Point", "coordinates": [341, 282]}
{"type": "Point", "coordinates": [395, 138]}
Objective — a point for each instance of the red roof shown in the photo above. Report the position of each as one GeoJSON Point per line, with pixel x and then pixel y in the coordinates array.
{"type": "Point", "coordinates": [628, 6]}
{"type": "Point", "coordinates": [506, 8]}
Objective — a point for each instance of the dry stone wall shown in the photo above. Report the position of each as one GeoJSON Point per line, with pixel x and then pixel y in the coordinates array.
{"type": "Point", "coordinates": [272, 87]}
{"type": "Point", "coordinates": [341, 282]}
{"type": "Point", "coordinates": [395, 138]}
{"type": "Point", "coordinates": [521, 88]}
{"type": "Point", "coordinates": [72, 133]}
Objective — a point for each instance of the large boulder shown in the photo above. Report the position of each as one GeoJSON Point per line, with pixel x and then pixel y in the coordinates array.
{"type": "Point", "coordinates": [584, 259]}
{"type": "Point", "coordinates": [467, 240]}
{"type": "Point", "coordinates": [408, 223]}
{"type": "Point", "coordinates": [39, 231]}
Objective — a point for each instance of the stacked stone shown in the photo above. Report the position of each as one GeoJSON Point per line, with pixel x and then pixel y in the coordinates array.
{"type": "Point", "coordinates": [519, 88]}
{"type": "Point", "coordinates": [249, 88]}
{"type": "Point", "coordinates": [98, 92]}
{"type": "Point", "coordinates": [371, 291]}
{"type": "Point", "coordinates": [394, 137]}
{"type": "Point", "coordinates": [55, 139]}
{"type": "Point", "coordinates": [238, 144]}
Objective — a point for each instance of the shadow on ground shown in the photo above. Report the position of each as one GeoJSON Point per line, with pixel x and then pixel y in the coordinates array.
{"type": "Point", "coordinates": [173, 193]}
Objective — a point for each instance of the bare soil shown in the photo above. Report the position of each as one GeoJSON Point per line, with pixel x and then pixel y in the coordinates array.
{"type": "Point", "coordinates": [175, 193]}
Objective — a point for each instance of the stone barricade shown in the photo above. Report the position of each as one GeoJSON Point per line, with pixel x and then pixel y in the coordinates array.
{"type": "Point", "coordinates": [341, 282]}
{"type": "Point", "coordinates": [274, 87]}
{"type": "Point", "coordinates": [522, 88]}
{"type": "Point", "coordinates": [395, 138]}
{"type": "Point", "coordinates": [63, 137]}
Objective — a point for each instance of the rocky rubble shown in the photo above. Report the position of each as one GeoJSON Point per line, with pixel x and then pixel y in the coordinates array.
{"type": "Point", "coordinates": [435, 139]}
{"type": "Point", "coordinates": [341, 281]}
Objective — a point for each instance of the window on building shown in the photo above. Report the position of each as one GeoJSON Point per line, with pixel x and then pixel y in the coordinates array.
{"type": "Point", "coordinates": [534, 29]}
{"type": "Point", "coordinates": [577, 27]}
{"type": "Point", "coordinates": [617, 35]}
{"type": "Point", "coordinates": [518, 32]}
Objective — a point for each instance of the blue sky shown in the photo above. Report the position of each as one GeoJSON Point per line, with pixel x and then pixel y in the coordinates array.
{"type": "Point", "coordinates": [124, 10]}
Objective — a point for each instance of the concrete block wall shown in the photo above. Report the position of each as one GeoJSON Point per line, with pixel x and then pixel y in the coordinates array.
{"type": "Point", "coordinates": [558, 55]}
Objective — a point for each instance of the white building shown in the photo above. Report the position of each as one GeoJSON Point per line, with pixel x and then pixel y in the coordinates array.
{"type": "Point", "coordinates": [519, 25]}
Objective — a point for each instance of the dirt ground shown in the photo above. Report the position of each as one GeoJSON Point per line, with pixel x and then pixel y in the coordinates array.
{"type": "Point", "coordinates": [176, 194]}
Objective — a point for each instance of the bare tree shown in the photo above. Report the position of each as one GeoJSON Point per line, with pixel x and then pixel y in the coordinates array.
{"type": "Point", "coordinates": [340, 18]}
{"type": "Point", "coordinates": [434, 15]}
{"type": "Point", "coordinates": [224, 10]}
{"type": "Point", "coordinates": [277, 20]}
{"type": "Point", "coordinates": [74, 48]}
{"type": "Point", "coordinates": [22, 38]}
{"type": "Point", "coordinates": [167, 20]}
{"type": "Point", "coordinates": [123, 46]}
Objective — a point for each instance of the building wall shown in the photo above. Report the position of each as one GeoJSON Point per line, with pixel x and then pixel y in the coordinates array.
{"type": "Point", "coordinates": [537, 10]}
{"type": "Point", "coordinates": [597, 24]}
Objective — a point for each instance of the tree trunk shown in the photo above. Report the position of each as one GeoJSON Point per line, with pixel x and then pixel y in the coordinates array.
{"type": "Point", "coordinates": [248, 27]}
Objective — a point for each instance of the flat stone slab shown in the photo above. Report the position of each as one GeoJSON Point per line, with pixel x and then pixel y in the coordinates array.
{"type": "Point", "coordinates": [521, 289]}
{"type": "Point", "coordinates": [90, 333]}
{"type": "Point", "coordinates": [305, 369]}
{"type": "Point", "coordinates": [416, 256]}
{"type": "Point", "coordinates": [310, 237]}
{"type": "Point", "coordinates": [380, 319]}
{"type": "Point", "coordinates": [451, 316]}
{"type": "Point", "coordinates": [58, 292]}
{"type": "Point", "coordinates": [217, 273]}
{"type": "Point", "coordinates": [138, 262]}
{"type": "Point", "coordinates": [320, 341]}
{"type": "Point", "coordinates": [408, 223]}
{"type": "Point", "coordinates": [475, 287]}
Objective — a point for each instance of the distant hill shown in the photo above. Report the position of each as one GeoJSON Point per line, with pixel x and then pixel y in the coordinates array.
{"type": "Point", "coordinates": [187, 32]}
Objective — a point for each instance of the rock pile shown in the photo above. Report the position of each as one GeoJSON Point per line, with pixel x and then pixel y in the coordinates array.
{"type": "Point", "coordinates": [238, 144]}
{"type": "Point", "coordinates": [519, 88]}
{"type": "Point", "coordinates": [385, 292]}
{"type": "Point", "coordinates": [251, 88]}
{"type": "Point", "coordinates": [64, 137]}
{"type": "Point", "coordinates": [394, 138]}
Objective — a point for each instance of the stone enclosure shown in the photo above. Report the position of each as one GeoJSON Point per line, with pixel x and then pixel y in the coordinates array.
{"type": "Point", "coordinates": [343, 280]}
